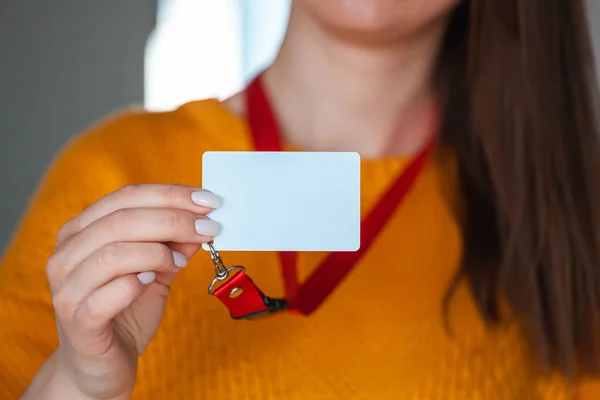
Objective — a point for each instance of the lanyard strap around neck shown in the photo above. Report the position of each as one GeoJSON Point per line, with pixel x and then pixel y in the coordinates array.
{"type": "Point", "coordinates": [307, 297]}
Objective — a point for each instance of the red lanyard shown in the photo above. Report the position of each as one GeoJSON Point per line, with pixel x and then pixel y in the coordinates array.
{"type": "Point", "coordinates": [239, 293]}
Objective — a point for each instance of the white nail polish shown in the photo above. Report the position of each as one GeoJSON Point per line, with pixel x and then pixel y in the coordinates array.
{"type": "Point", "coordinates": [146, 277]}
{"type": "Point", "coordinates": [207, 227]}
{"type": "Point", "coordinates": [206, 199]}
{"type": "Point", "coordinates": [179, 259]}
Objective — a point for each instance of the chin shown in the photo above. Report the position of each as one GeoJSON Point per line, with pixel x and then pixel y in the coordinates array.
{"type": "Point", "coordinates": [373, 20]}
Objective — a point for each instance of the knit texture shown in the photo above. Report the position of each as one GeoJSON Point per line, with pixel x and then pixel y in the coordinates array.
{"type": "Point", "coordinates": [380, 335]}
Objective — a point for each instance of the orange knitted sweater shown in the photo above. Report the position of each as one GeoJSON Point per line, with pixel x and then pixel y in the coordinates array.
{"type": "Point", "coordinates": [380, 335]}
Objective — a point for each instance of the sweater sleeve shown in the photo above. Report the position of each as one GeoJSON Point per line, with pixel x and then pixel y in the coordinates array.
{"type": "Point", "coordinates": [79, 175]}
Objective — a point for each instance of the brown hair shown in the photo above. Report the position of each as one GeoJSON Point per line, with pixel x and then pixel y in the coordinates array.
{"type": "Point", "coordinates": [520, 111]}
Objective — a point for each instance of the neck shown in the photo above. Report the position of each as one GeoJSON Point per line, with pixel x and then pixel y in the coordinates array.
{"type": "Point", "coordinates": [336, 95]}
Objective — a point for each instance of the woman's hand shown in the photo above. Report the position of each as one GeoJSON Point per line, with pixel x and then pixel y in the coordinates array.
{"type": "Point", "coordinates": [110, 277]}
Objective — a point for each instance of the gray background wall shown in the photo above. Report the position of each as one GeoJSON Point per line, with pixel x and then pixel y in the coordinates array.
{"type": "Point", "coordinates": [63, 65]}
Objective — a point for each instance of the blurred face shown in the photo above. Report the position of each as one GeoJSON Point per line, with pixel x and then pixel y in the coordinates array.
{"type": "Point", "coordinates": [378, 19]}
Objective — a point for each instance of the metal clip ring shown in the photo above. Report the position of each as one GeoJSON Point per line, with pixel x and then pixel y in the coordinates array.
{"type": "Point", "coordinates": [216, 259]}
{"type": "Point", "coordinates": [221, 272]}
{"type": "Point", "coordinates": [222, 277]}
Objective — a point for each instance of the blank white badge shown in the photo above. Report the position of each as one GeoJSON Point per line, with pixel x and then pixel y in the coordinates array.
{"type": "Point", "coordinates": [285, 201]}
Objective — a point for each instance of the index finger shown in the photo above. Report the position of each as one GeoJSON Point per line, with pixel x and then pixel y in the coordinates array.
{"type": "Point", "coordinates": [196, 200]}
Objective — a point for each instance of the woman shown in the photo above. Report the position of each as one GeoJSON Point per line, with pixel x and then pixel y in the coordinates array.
{"type": "Point", "coordinates": [483, 284]}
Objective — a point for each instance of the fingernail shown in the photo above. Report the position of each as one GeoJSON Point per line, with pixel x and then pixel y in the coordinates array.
{"type": "Point", "coordinates": [206, 199]}
{"type": "Point", "coordinates": [208, 227]}
{"type": "Point", "coordinates": [146, 277]}
{"type": "Point", "coordinates": [179, 259]}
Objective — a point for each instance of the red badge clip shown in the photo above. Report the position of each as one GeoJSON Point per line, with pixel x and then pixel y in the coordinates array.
{"type": "Point", "coordinates": [239, 293]}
